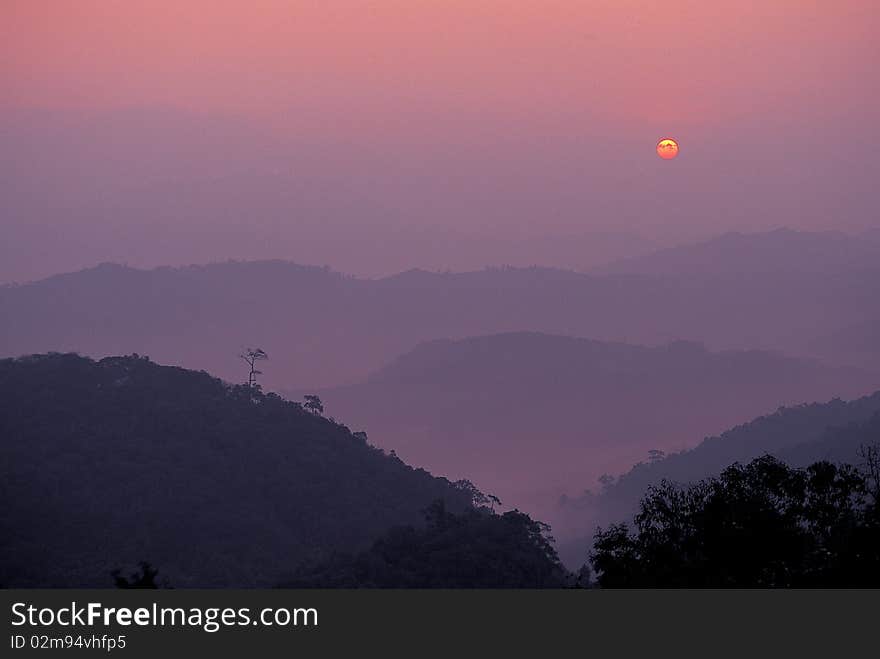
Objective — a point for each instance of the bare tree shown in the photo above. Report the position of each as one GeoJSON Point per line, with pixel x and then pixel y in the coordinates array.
{"type": "Point", "coordinates": [251, 356]}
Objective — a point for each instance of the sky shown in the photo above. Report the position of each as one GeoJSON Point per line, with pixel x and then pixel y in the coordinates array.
{"type": "Point", "coordinates": [376, 136]}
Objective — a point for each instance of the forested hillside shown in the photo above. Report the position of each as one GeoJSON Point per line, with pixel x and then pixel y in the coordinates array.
{"type": "Point", "coordinates": [105, 464]}
{"type": "Point", "coordinates": [806, 432]}
{"type": "Point", "coordinates": [476, 549]}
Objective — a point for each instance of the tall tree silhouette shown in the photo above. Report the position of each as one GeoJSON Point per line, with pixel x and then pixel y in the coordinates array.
{"type": "Point", "coordinates": [251, 356]}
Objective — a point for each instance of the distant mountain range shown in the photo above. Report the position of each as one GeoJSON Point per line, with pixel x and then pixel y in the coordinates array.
{"type": "Point", "coordinates": [745, 254]}
{"type": "Point", "coordinates": [522, 412]}
{"type": "Point", "coordinates": [105, 464]}
{"type": "Point", "coordinates": [772, 255]}
{"type": "Point", "coordinates": [323, 329]}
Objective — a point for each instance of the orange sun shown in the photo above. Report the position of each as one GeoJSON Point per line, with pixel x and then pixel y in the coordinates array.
{"type": "Point", "coordinates": [667, 148]}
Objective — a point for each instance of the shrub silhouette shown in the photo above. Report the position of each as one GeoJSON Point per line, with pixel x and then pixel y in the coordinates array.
{"type": "Point", "coordinates": [143, 579]}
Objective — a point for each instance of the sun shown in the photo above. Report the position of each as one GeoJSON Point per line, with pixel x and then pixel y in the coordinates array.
{"type": "Point", "coordinates": [667, 148]}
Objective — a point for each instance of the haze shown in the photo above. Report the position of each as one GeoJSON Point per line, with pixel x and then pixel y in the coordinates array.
{"type": "Point", "coordinates": [379, 136]}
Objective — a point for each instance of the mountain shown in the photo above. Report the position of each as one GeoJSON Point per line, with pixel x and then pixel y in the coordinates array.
{"type": "Point", "coordinates": [322, 328]}
{"type": "Point", "coordinates": [788, 428]}
{"type": "Point", "coordinates": [105, 464]}
{"type": "Point", "coordinates": [844, 444]}
{"type": "Point", "coordinates": [517, 412]}
{"type": "Point", "coordinates": [799, 435]}
{"type": "Point", "coordinates": [778, 251]}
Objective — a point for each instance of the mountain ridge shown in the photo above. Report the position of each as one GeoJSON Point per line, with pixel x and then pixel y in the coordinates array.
{"type": "Point", "coordinates": [322, 328]}
{"type": "Point", "coordinates": [778, 250]}
{"type": "Point", "coordinates": [215, 484]}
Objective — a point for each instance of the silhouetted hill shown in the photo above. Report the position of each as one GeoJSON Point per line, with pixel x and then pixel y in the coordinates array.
{"type": "Point", "coordinates": [799, 435]}
{"type": "Point", "coordinates": [520, 412]}
{"type": "Point", "coordinates": [837, 444]}
{"type": "Point", "coordinates": [324, 329]}
{"type": "Point", "coordinates": [782, 250]}
{"type": "Point", "coordinates": [476, 549]}
{"type": "Point", "coordinates": [789, 427]}
{"type": "Point", "coordinates": [104, 464]}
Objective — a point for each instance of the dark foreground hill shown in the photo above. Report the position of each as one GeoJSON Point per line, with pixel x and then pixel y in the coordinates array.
{"type": "Point", "coordinates": [104, 464]}
{"type": "Point", "coordinates": [524, 413]}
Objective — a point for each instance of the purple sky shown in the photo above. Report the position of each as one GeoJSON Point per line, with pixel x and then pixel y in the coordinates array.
{"type": "Point", "coordinates": [384, 135]}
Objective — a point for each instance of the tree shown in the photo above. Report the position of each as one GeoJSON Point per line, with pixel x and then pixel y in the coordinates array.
{"type": "Point", "coordinates": [764, 524]}
{"type": "Point", "coordinates": [313, 404]}
{"type": "Point", "coordinates": [478, 498]}
{"type": "Point", "coordinates": [251, 356]}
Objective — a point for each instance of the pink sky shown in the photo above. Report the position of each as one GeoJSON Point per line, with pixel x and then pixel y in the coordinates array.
{"type": "Point", "coordinates": [480, 121]}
